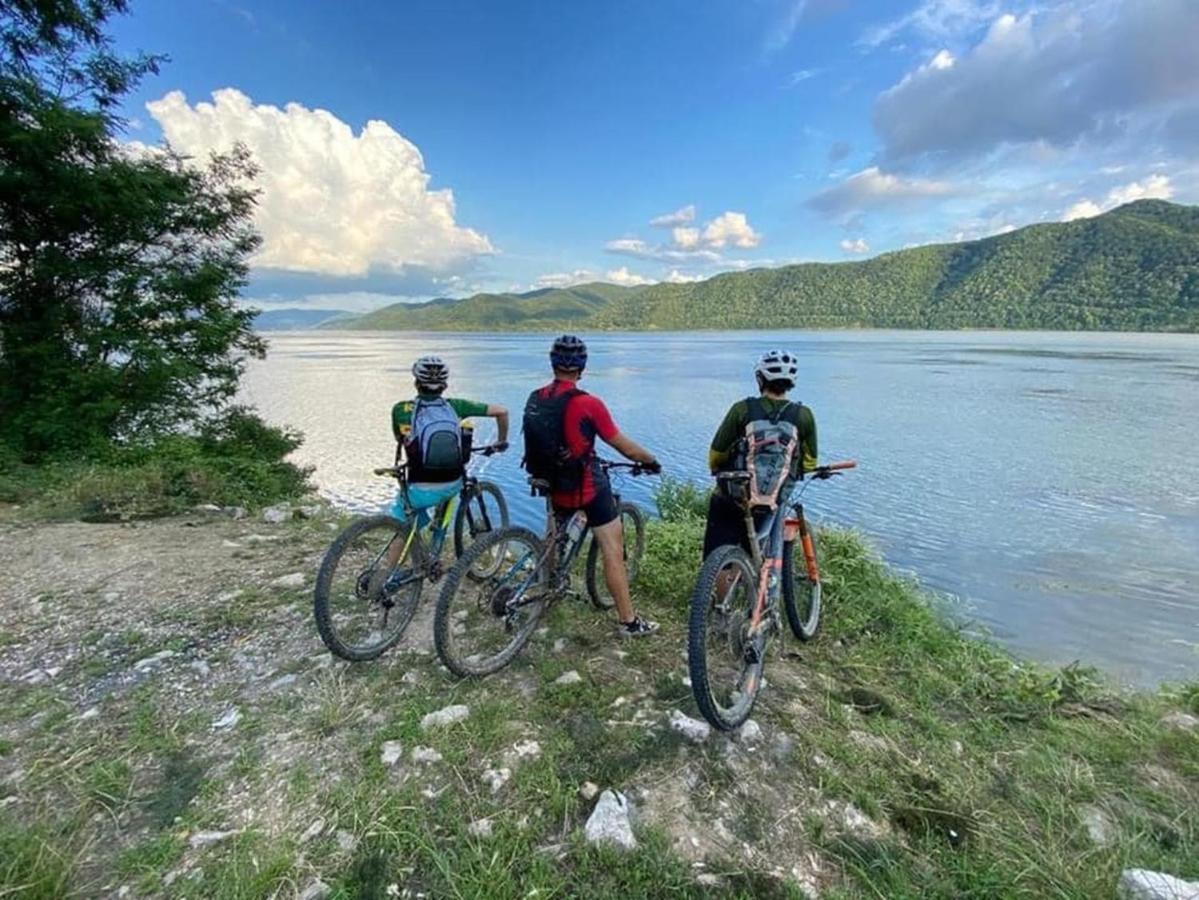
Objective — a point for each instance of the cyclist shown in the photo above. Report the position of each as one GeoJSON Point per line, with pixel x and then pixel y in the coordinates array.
{"type": "Point", "coordinates": [430, 433]}
{"type": "Point", "coordinates": [561, 424]}
{"type": "Point", "coordinates": [776, 374]}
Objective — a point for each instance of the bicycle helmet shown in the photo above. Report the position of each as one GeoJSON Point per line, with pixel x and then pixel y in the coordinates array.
{"type": "Point", "coordinates": [568, 352]}
{"type": "Point", "coordinates": [778, 365]}
{"type": "Point", "coordinates": [431, 371]}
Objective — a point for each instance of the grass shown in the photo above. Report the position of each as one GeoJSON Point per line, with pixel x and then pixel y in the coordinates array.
{"type": "Point", "coordinates": [973, 769]}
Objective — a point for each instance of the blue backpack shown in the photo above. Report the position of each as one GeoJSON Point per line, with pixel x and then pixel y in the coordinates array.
{"type": "Point", "coordinates": [435, 446]}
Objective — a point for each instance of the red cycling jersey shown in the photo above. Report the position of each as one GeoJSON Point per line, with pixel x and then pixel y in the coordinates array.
{"type": "Point", "coordinates": [586, 418]}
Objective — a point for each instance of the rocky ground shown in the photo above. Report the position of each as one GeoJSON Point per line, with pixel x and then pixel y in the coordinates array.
{"type": "Point", "coordinates": [171, 725]}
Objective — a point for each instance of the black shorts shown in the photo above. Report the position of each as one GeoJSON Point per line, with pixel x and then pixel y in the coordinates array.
{"type": "Point", "coordinates": [600, 511]}
{"type": "Point", "coordinates": [726, 524]}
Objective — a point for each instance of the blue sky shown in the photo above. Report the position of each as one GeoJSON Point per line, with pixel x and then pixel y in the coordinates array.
{"type": "Point", "coordinates": [412, 150]}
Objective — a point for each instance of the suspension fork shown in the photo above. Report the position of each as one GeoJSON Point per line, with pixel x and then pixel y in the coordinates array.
{"type": "Point", "coordinates": [809, 549]}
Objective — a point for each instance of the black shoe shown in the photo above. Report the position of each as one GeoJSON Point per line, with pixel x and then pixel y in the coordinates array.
{"type": "Point", "coordinates": [639, 627]}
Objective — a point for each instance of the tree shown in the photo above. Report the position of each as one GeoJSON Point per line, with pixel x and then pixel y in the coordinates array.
{"type": "Point", "coordinates": [120, 265]}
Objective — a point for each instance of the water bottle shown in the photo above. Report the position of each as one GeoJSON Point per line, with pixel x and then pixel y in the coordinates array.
{"type": "Point", "coordinates": [574, 528]}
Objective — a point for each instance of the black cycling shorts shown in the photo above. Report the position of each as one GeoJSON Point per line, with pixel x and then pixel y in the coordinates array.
{"type": "Point", "coordinates": [726, 524]}
{"type": "Point", "coordinates": [600, 511]}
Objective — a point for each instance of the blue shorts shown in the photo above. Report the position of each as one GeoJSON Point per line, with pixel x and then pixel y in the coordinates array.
{"type": "Point", "coordinates": [422, 498]}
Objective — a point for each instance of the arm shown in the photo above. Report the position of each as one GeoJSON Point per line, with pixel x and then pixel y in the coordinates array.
{"type": "Point", "coordinates": [629, 448]}
{"type": "Point", "coordinates": [807, 434]}
{"type": "Point", "coordinates": [500, 414]}
{"type": "Point", "coordinates": [725, 439]}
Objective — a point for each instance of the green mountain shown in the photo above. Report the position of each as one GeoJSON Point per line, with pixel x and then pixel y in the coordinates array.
{"type": "Point", "coordinates": [1135, 268]}
{"type": "Point", "coordinates": [507, 312]}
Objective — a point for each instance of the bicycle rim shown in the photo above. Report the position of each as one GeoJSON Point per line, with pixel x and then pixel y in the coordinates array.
{"type": "Point", "coordinates": [358, 616]}
{"type": "Point", "coordinates": [724, 660]}
{"type": "Point", "coordinates": [633, 534]}
{"type": "Point", "coordinates": [480, 625]}
{"type": "Point", "coordinates": [481, 512]}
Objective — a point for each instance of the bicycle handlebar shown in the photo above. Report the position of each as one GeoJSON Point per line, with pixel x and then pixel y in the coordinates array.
{"type": "Point", "coordinates": [836, 468]}
{"type": "Point", "coordinates": [485, 450]}
{"type": "Point", "coordinates": [635, 468]}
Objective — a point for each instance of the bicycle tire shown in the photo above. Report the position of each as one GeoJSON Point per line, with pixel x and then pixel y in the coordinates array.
{"type": "Point", "coordinates": [322, 593]}
{"type": "Point", "coordinates": [597, 586]}
{"type": "Point", "coordinates": [471, 665]}
{"type": "Point", "coordinates": [698, 663]}
{"type": "Point", "coordinates": [797, 588]}
{"type": "Point", "coordinates": [487, 488]}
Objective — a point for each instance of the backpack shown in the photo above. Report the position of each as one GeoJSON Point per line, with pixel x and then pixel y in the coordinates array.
{"type": "Point", "coordinates": [546, 455]}
{"type": "Point", "coordinates": [434, 445]}
{"type": "Point", "coordinates": [771, 442]}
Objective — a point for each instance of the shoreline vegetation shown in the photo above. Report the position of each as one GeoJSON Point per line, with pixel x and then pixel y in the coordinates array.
{"type": "Point", "coordinates": [1134, 268]}
{"type": "Point", "coordinates": [171, 723]}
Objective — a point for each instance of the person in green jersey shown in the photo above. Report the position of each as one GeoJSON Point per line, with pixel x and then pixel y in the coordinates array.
{"type": "Point", "coordinates": [776, 373]}
{"type": "Point", "coordinates": [428, 424]}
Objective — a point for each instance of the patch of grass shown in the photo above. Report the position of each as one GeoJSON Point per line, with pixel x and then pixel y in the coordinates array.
{"type": "Point", "coordinates": [34, 865]}
{"type": "Point", "coordinates": [181, 780]}
{"type": "Point", "coordinates": [150, 860]}
{"type": "Point", "coordinates": [246, 867]}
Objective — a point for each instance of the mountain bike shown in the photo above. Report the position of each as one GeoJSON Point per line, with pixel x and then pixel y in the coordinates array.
{"type": "Point", "coordinates": [734, 609]}
{"type": "Point", "coordinates": [372, 576]}
{"type": "Point", "coordinates": [481, 624]}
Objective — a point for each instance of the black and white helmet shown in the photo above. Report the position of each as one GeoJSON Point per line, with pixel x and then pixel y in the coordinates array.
{"type": "Point", "coordinates": [778, 365]}
{"type": "Point", "coordinates": [431, 371]}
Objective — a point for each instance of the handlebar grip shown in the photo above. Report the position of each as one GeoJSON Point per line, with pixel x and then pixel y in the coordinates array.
{"type": "Point", "coordinates": [383, 471]}
{"type": "Point", "coordinates": [844, 464]}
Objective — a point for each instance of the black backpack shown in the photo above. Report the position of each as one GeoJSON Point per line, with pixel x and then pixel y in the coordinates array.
{"type": "Point", "coordinates": [546, 454]}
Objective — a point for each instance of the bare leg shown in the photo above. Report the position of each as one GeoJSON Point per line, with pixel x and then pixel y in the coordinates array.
{"type": "Point", "coordinates": [611, 543]}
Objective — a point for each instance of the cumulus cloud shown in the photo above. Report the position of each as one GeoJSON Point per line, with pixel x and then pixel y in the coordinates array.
{"type": "Point", "coordinates": [679, 217]}
{"type": "Point", "coordinates": [873, 188]}
{"type": "Point", "coordinates": [730, 228]}
{"type": "Point", "coordinates": [621, 276]}
{"type": "Point", "coordinates": [858, 245]}
{"type": "Point", "coordinates": [1155, 187]}
{"type": "Point", "coordinates": [685, 238]}
{"type": "Point", "coordinates": [332, 202]}
{"type": "Point", "coordinates": [677, 277]}
{"type": "Point", "coordinates": [1055, 76]}
{"type": "Point", "coordinates": [629, 246]}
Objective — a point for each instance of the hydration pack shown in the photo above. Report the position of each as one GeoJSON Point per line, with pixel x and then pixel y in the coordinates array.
{"type": "Point", "coordinates": [546, 455]}
{"type": "Point", "coordinates": [434, 446]}
{"type": "Point", "coordinates": [770, 443]}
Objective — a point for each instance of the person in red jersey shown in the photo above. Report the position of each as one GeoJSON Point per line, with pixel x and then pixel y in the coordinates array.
{"type": "Point", "coordinates": [561, 425]}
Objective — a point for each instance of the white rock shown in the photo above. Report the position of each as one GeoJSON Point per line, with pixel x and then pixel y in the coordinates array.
{"type": "Point", "coordinates": [411, 677]}
{"type": "Point", "coordinates": [588, 790]}
{"type": "Point", "coordinates": [262, 538]}
{"type": "Point", "coordinates": [609, 822]}
{"type": "Point", "coordinates": [445, 716]}
{"type": "Point", "coordinates": [391, 753]}
{"type": "Point", "coordinates": [149, 662]}
{"type": "Point", "coordinates": [346, 842]}
{"type": "Point", "coordinates": [750, 733]}
{"type": "Point", "coordinates": [294, 580]}
{"type": "Point", "coordinates": [235, 512]}
{"type": "Point", "coordinates": [274, 515]}
{"type": "Point", "coordinates": [1142, 884]}
{"type": "Point", "coordinates": [1098, 825]}
{"type": "Point", "coordinates": [1181, 720]}
{"type": "Point", "coordinates": [480, 828]}
{"type": "Point", "coordinates": [559, 645]}
{"type": "Point", "coordinates": [523, 750]}
{"type": "Point", "coordinates": [425, 755]}
{"type": "Point", "coordinates": [958, 748]}
{"type": "Point", "coordinates": [35, 676]}
{"type": "Point", "coordinates": [201, 668]}
{"type": "Point", "coordinates": [571, 677]}
{"type": "Point", "coordinates": [283, 681]}
{"type": "Point", "coordinates": [497, 778]}
{"type": "Point", "coordinates": [316, 890]}
{"type": "Point", "coordinates": [206, 838]}
{"type": "Point", "coordinates": [227, 719]}
{"type": "Point", "coordinates": [692, 729]}
{"type": "Point", "coordinates": [89, 713]}
{"type": "Point", "coordinates": [230, 545]}
{"type": "Point", "coordinates": [315, 830]}
{"type": "Point", "coordinates": [308, 512]}
{"type": "Point", "coordinates": [112, 596]}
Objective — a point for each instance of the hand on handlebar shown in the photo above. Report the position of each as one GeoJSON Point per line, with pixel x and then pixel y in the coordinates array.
{"type": "Point", "coordinates": [498, 447]}
{"type": "Point", "coordinates": [653, 467]}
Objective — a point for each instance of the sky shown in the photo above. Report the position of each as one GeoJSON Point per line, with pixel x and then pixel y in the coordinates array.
{"type": "Point", "coordinates": [410, 150]}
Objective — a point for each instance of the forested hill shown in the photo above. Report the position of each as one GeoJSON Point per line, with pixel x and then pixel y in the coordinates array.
{"type": "Point", "coordinates": [1133, 268]}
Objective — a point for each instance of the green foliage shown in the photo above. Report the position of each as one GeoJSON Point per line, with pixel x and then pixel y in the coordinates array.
{"type": "Point", "coordinates": [1135, 268]}
{"type": "Point", "coordinates": [31, 861]}
{"type": "Point", "coordinates": [679, 501]}
{"type": "Point", "coordinates": [119, 269]}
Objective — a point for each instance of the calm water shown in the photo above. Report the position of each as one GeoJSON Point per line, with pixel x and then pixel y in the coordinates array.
{"type": "Point", "coordinates": [1050, 482]}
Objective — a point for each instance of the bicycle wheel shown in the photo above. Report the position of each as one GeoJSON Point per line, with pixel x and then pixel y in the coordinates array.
{"type": "Point", "coordinates": [480, 512]}
{"type": "Point", "coordinates": [632, 521]}
{"type": "Point", "coordinates": [801, 592]}
{"type": "Point", "coordinates": [725, 663]}
{"type": "Point", "coordinates": [479, 626]}
{"type": "Point", "coordinates": [357, 616]}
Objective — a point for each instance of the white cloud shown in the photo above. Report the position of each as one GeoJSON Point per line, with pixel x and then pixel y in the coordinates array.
{"type": "Point", "coordinates": [685, 238]}
{"type": "Point", "coordinates": [858, 245]}
{"type": "Point", "coordinates": [679, 217]}
{"type": "Point", "coordinates": [629, 246]}
{"type": "Point", "coordinates": [784, 29]}
{"type": "Point", "coordinates": [935, 20]}
{"type": "Point", "coordinates": [730, 228]}
{"type": "Point", "coordinates": [801, 76]}
{"type": "Point", "coordinates": [677, 277]}
{"type": "Point", "coordinates": [1112, 71]}
{"type": "Point", "coordinates": [625, 277]}
{"type": "Point", "coordinates": [621, 276]}
{"type": "Point", "coordinates": [873, 188]}
{"type": "Point", "coordinates": [1155, 187]}
{"type": "Point", "coordinates": [332, 202]}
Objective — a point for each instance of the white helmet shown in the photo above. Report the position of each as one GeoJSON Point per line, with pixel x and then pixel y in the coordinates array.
{"type": "Point", "coordinates": [778, 365]}
{"type": "Point", "coordinates": [431, 371]}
